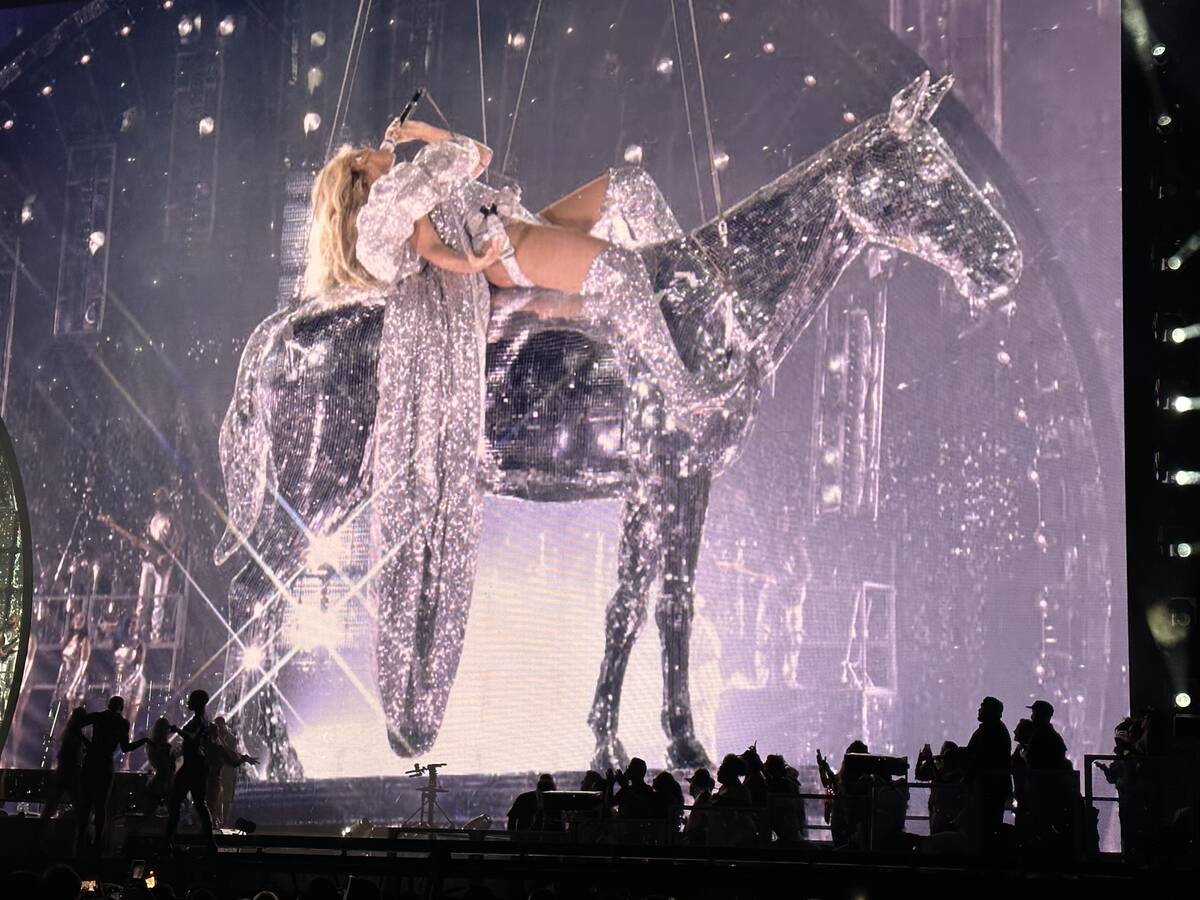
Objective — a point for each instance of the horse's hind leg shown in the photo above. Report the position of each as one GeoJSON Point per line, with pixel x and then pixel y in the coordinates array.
{"type": "Point", "coordinates": [638, 569]}
{"type": "Point", "coordinates": [686, 503]}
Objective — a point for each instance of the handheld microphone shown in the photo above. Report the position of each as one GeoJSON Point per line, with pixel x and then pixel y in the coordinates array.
{"type": "Point", "coordinates": [390, 146]}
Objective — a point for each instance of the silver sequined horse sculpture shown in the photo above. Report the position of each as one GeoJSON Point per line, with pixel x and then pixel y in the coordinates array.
{"type": "Point", "coordinates": [564, 423]}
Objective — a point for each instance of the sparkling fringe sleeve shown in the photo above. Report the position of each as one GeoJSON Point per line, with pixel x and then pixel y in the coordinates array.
{"type": "Point", "coordinates": [405, 193]}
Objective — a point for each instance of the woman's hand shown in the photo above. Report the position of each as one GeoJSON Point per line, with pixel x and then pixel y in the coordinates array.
{"type": "Point", "coordinates": [404, 132]}
{"type": "Point", "coordinates": [491, 254]}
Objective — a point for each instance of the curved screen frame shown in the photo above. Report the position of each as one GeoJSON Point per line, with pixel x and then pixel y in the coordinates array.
{"type": "Point", "coordinates": [24, 593]}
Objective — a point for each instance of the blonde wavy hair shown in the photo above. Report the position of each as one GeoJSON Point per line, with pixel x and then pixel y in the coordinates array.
{"type": "Point", "coordinates": [339, 192]}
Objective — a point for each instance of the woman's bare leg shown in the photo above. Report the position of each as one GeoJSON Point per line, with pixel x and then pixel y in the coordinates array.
{"type": "Point", "coordinates": [580, 209]}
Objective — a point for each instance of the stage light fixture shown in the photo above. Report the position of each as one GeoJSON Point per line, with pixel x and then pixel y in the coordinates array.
{"type": "Point", "coordinates": [316, 39]}
{"type": "Point", "coordinates": [1170, 622]}
{"type": "Point", "coordinates": [724, 17]}
{"type": "Point", "coordinates": [721, 160]}
{"type": "Point", "coordinates": [226, 26]}
{"type": "Point", "coordinates": [1158, 53]}
{"type": "Point", "coordinates": [47, 90]}
{"type": "Point", "coordinates": [9, 123]}
{"type": "Point", "coordinates": [312, 121]}
{"type": "Point", "coordinates": [185, 27]}
{"type": "Point", "coordinates": [1183, 549]}
{"type": "Point", "coordinates": [244, 825]}
{"type": "Point", "coordinates": [85, 59]}
{"type": "Point", "coordinates": [768, 47]}
{"type": "Point", "coordinates": [168, 4]}
{"type": "Point", "coordinates": [665, 66]}
{"type": "Point", "coordinates": [125, 30]}
{"type": "Point", "coordinates": [27, 211]}
{"type": "Point", "coordinates": [206, 126]}
{"type": "Point", "coordinates": [96, 241]}
{"type": "Point", "coordinates": [1181, 333]}
{"type": "Point", "coordinates": [516, 40]}
{"type": "Point", "coordinates": [315, 79]}
{"type": "Point", "coordinates": [633, 154]}
{"type": "Point", "coordinates": [1186, 251]}
{"type": "Point", "coordinates": [1183, 476]}
{"type": "Point", "coordinates": [1183, 700]}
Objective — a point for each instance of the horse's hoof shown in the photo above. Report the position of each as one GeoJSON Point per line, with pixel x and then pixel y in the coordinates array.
{"type": "Point", "coordinates": [610, 754]}
{"type": "Point", "coordinates": [687, 753]}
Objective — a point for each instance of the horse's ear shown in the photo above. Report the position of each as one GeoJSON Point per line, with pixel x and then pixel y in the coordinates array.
{"type": "Point", "coordinates": [935, 95]}
{"type": "Point", "coordinates": [907, 105]}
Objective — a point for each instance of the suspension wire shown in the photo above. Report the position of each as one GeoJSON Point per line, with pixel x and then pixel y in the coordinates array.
{"type": "Point", "coordinates": [482, 91]}
{"type": "Point", "coordinates": [355, 47]}
{"type": "Point", "coordinates": [521, 90]}
{"type": "Point", "coordinates": [687, 109]}
{"type": "Point", "coordinates": [712, 162]}
{"type": "Point", "coordinates": [428, 96]}
{"type": "Point", "coordinates": [357, 59]}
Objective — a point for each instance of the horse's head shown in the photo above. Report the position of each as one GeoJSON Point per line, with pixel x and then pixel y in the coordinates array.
{"type": "Point", "coordinates": [902, 187]}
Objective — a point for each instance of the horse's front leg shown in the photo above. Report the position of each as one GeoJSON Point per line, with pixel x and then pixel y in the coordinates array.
{"type": "Point", "coordinates": [685, 503]}
{"type": "Point", "coordinates": [256, 704]}
{"type": "Point", "coordinates": [638, 569]}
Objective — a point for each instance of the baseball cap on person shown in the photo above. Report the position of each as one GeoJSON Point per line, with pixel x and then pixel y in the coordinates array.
{"type": "Point", "coordinates": [1042, 706]}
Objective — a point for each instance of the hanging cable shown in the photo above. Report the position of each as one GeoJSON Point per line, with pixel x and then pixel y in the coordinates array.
{"type": "Point", "coordinates": [357, 59]}
{"type": "Point", "coordinates": [482, 92]}
{"type": "Point", "coordinates": [687, 110]}
{"type": "Point", "coordinates": [356, 36]}
{"type": "Point", "coordinates": [722, 229]}
{"type": "Point", "coordinates": [537, 13]}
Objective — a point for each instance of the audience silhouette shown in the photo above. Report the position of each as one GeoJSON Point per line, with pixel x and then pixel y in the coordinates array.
{"type": "Point", "coordinates": [528, 810]}
{"type": "Point", "coordinates": [758, 802]}
{"type": "Point", "coordinates": [989, 770]}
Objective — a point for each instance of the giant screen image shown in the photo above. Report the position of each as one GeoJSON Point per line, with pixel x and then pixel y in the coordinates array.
{"type": "Point", "coordinates": [886, 233]}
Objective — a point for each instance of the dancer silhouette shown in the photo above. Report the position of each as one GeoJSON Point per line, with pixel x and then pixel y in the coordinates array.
{"type": "Point", "coordinates": [110, 732]}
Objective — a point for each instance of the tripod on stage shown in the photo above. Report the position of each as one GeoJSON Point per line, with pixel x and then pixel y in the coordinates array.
{"type": "Point", "coordinates": [427, 813]}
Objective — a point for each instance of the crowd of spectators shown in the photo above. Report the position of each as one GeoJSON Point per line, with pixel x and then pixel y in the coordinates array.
{"type": "Point", "coordinates": [998, 792]}
{"type": "Point", "coordinates": [63, 882]}
{"type": "Point", "coordinates": [862, 805]}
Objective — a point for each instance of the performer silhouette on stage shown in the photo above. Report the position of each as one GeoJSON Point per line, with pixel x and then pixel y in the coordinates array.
{"type": "Point", "coordinates": [110, 732]}
{"type": "Point", "coordinates": [192, 777]}
{"type": "Point", "coordinates": [69, 763]}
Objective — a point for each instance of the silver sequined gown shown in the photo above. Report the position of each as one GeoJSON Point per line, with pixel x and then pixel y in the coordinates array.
{"type": "Point", "coordinates": [426, 504]}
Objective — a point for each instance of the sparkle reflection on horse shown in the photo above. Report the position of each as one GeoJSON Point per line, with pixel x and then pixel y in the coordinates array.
{"type": "Point", "coordinates": [753, 282]}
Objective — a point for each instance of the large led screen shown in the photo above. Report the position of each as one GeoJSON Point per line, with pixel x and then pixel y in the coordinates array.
{"type": "Point", "coordinates": [894, 223]}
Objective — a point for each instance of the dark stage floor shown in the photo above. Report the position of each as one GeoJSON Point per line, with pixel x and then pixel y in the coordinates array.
{"type": "Point", "coordinates": [452, 863]}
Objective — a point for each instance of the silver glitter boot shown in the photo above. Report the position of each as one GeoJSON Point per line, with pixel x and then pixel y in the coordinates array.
{"type": "Point", "coordinates": [620, 298]}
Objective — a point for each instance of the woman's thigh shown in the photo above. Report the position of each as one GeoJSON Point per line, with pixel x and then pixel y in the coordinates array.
{"type": "Point", "coordinates": [579, 209]}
